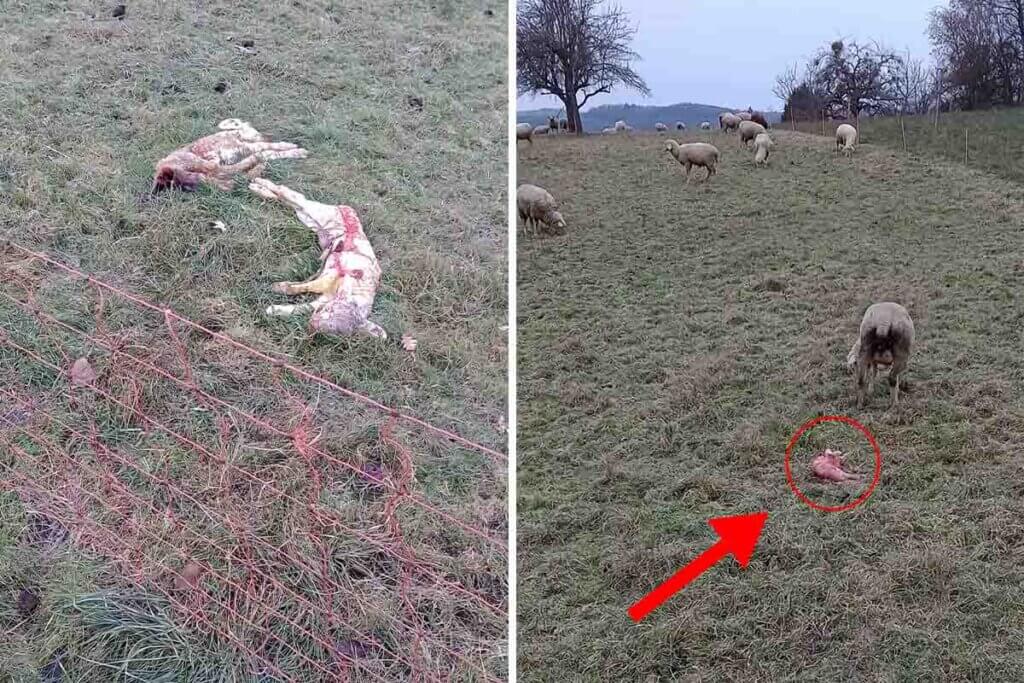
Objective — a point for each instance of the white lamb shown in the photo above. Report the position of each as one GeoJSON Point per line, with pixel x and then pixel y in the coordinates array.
{"type": "Point", "coordinates": [846, 136]}
{"type": "Point", "coordinates": [620, 125]}
{"type": "Point", "coordinates": [680, 125]}
{"type": "Point", "coordinates": [705, 125]}
{"type": "Point", "coordinates": [660, 127]}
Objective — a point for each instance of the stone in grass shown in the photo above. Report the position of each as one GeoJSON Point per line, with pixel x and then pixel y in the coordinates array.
{"type": "Point", "coordinates": [118, 12]}
{"type": "Point", "coordinates": [220, 87]}
{"type": "Point", "coordinates": [414, 101]}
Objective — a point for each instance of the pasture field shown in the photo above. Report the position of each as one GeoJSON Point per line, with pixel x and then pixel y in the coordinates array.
{"type": "Point", "coordinates": [992, 142]}
{"type": "Point", "coordinates": [673, 339]}
{"type": "Point", "coordinates": [402, 106]}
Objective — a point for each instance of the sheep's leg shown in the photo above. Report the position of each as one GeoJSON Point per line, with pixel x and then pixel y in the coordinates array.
{"type": "Point", "coordinates": [851, 357]}
{"type": "Point", "coordinates": [898, 366]}
{"type": "Point", "coordinates": [862, 386]}
{"type": "Point", "coordinates": [708, 176]}
{"type": "Point", "coordinates": [313, 215]}
{"type": "Point", "coordinates": [687, 166]}
{"type": "Point", "coordinates": [322, 283]}
{"type": "Point", "coordinates": [287, 310]}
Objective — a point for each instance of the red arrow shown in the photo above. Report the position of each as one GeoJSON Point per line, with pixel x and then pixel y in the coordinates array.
{"type": "Point", "coordinates": [737, 535]}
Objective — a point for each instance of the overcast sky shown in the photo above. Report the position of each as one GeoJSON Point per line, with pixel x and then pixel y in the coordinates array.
{"type": "Point", "coordinates": [728, 52]}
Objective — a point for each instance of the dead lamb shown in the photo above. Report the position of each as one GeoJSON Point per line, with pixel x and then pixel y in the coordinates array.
{"type": "Point", "coordinates": [349, 275]}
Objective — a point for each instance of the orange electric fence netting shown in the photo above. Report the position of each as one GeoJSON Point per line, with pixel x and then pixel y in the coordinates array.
{"type": "Point", "coordinates": [309, 528]}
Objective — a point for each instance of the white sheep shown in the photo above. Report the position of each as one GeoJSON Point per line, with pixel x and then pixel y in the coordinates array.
{"type": "Point", "coordinates": [705, 125]}
{"type": "Point", "coordinates": [885, 339]}
{"type": "Point", "coordinates": [727, 121]}
{"type": "Point", "coordinates": [749, 130]}
{"type": "Point", "coordinates": [694, 154]}
{"type": "Point", "coordinates": [660, 127]}
{"type": "Point", "coordinates": [608, 131]}
{"type": "Point", "coordinates": [524, 131]}
{"type": "Point", "coordinates": [540, 130]}
{"type": "Point", "coordinates": [744, 115]}
{"type": "Point", "coordinates": [620, 125]}
{"type": "Point", "coordinates": [763, 144]}
{"type": "Point", "coordinates": [846, 135]}
{"type": "Point", "coordinates": [680, 125]}
{"type": "Point", "coordinates": [536, 205]}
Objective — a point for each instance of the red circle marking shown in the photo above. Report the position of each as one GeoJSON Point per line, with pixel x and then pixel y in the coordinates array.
{"type": "Point", "coordinates": [856, 425]}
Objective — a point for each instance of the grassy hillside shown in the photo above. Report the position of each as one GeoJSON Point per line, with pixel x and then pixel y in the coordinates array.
{"type": "Point", "coordinates": [674, 338]}
{"type": "Point", "coordinates": [992, 140]}
{"type": "Point", "coordinates": [639, 116]}
{"type": "Point", "coordinates": [402, 106]}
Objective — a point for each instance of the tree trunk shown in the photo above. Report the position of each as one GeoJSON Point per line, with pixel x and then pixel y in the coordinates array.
{"type": "Point", "coordinates": [572, 112]}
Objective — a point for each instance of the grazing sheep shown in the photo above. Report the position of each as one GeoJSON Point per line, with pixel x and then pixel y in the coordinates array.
{"type": "Point", "coordinates": [660, 127]}
{"type": "Point", "coordinates": [705, 125]}
{"type": "Point", "coordinates": [694, 154]}
{"type": "Point", "coordinates": [763, 144]}
{"type": "Point", "coordinates": [748, 131]}
{"type": "Point", "coordinates": [620, 125]}
{"type": "Point", "coordinates": [758, 117]}
{"type": "Point", "coordinates": [536, 205]}
{"type": "Point", "coordinates": [728, 121]}
{"type": "Point", "coordinates": [524, 131]}
{"type": "Point", "coordinates": [607, 131]}
{"type": "Point", "coordinates": [885, 339]}
{"type": "Point", "coordinates": [744, 115]}
{"type": "Point", "coordinates": [846, 136]}
{"type": "Point", "coordinates": [680, 125]}
{"type": "Point", "coordinates": [540, 130]}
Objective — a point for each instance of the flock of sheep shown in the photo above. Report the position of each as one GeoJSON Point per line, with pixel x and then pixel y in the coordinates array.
{"type": "Point", "coordinates": [886, 331]}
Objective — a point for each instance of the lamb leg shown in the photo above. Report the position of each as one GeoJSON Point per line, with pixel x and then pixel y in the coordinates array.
{"type": "Point", "coordinates": [287, 310]}
{"type": "Point", "coordinates": [321, 283]}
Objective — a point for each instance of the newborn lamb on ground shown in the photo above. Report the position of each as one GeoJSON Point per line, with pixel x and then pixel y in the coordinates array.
{"type": "Point", "coordinates": [694, 154]}
{"type": "Point", "coordinates": [762, 148]}
{"type": "Point", "coordinates": [749, 130]}
{"type": "Point", "coordinates": [885, 340]}
{"type": "Point", "coordinates": [216, 159]}
{"type": "Point", "coordinates": [846, 136]}
{"type": "Point", "coordinates": [829, 465]}
{"type": "Point", "coordinates": [536, 205]}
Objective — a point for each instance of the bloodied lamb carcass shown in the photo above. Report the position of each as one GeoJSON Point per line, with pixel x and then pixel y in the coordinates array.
{"type": "Point", "coordinates": [349, 273]}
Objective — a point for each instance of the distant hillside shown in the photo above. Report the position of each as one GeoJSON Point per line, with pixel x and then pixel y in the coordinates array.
{"type": "Point", "coordinates": [640, 116]}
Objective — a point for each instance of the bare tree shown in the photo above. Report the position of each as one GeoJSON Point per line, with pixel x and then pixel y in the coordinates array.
{"type": "Point", "coordinates": [786, 84]}
{"type": "Point", "coordinates": [980, 44]}
{"type": "Point", "coordinates": [911, 86]}
{"type": "Point", "coordinates": [856, 78]}
{"type": "Point", "coordinates": [574, 49]}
